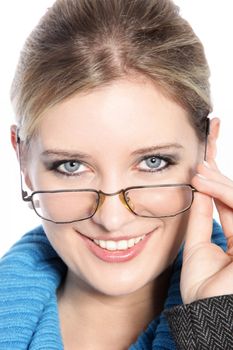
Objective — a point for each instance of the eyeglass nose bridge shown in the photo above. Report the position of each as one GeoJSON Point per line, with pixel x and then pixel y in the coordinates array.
{"type": "Point", "coordinates": [121, 194]}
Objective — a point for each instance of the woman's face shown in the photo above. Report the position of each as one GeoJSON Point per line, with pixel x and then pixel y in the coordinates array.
{"type": "Point", "coordinates": [125, 134]}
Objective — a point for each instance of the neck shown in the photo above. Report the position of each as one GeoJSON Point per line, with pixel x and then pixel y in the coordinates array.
{"type": "Point", "coordinates": [91, 320]}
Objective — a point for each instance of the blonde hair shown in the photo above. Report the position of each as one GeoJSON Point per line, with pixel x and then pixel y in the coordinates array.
{"type": "Point", "coordinates": [82, 44]}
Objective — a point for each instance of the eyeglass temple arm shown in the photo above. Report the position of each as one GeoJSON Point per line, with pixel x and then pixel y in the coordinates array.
{"type": "Point", "coordinates": [24, 193]}
{"type": "Point", "coordinates": [207, 131]}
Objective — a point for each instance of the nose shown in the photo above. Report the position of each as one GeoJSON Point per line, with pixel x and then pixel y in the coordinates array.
{"type": "Point", "coordinates": [113, 213]}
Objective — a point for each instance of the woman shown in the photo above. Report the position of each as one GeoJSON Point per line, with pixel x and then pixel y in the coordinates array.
{"type": "Point", "coordinates": [112, 101]}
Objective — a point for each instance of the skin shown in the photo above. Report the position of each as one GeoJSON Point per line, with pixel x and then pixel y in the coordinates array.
{"type": "Point", "coordinates": [109, 124]}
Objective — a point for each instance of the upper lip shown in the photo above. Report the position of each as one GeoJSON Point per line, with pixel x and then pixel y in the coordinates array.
{"type": "Point", "coordinates": [115, 238]}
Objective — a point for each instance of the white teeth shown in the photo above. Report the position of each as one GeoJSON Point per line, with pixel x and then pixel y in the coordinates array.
{"type": "Point", "coordinates": [131, 242]}
{"type": "Point", "coordinates": [102, 244]}
{"type": "Point", "coordinates": [111, 245]}
{"type": "Point", "coordinates": [118, 245]}
{"type": "Point", "coordinates": [122, 245]}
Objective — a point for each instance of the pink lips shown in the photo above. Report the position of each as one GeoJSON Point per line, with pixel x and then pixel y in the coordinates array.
{"type": "Point", "coordinates": [116, 256]}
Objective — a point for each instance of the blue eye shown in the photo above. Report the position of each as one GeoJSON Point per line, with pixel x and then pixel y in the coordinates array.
{"type": "Point", "coordinates": [154, 163]}
{"type": "Point", "coordinates": [70, 167]}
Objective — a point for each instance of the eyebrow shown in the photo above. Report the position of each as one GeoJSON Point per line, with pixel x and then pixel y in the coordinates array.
{"type": "Point", "coordinates": [57, 153]}
{"type": "Point", "coordinates": [161, 147]}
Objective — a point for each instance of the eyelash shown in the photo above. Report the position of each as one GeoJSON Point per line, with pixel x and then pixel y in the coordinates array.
{"type": "Point", "coordinates": [168, 159]}
{"type": "Point", "coordinates": [55, 165]}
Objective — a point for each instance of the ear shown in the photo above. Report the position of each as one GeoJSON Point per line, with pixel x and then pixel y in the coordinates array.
{"type": "Point", "coordinates": [212, 139]}
{"type": "Point", "coordinates": [14, 138]}
{"type": "Point", "coordinates": [14, 142]}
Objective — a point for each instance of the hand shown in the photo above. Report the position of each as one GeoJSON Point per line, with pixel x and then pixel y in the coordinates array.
{"type": "Point", "coordinates": [207, 270]}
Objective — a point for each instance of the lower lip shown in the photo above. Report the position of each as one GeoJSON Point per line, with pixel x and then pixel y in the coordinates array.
{"type": "Point", "coordinates": [116, 256]}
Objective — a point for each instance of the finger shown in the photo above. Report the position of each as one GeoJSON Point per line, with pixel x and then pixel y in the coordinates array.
{"type": "Point", "coordinates": [225, 213]}
{"type": "Point", "coordinates": [220, 191]}
{"type": "Point", "coordinates": [200, 223]}
{"type": "Point", "coordinates": [223, 198]}
{"type": "Point", "coordinates": [212, 173]}
{"type": "Point", "coordinates": [226, 218]}
{"type": "Point", "coordinates": [212, 164]}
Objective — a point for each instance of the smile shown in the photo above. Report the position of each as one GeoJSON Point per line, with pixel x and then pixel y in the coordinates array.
{"type": "Point", "coordinates": [112, 251]}
{"type": "Point", "coordinates": [118, 245]}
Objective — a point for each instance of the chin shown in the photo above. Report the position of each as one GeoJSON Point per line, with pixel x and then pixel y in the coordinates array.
{"type": "Point", "coordinates": [119, 289]}
{"type": "Point", "coordinates": [117, 283]}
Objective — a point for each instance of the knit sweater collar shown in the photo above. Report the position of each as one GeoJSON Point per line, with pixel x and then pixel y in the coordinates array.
{"type": "Point", "coordinates": [30, 274]}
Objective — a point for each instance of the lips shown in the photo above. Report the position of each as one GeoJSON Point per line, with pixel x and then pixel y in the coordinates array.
{"type": "Point", "coordinates": [116, 251]}
{"type": "Point", "coordinates": [118, 245]}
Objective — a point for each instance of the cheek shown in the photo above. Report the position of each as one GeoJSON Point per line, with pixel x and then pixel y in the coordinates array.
{"type": "Point", "coordinates": [60, 238]}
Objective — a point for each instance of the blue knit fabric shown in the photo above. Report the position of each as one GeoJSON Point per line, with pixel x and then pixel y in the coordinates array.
{"type": "Point", "coordinates": [30, 274]}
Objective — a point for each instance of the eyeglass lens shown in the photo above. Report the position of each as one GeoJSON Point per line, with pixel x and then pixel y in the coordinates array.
{"type": "Point", "coordinates": [159, 201]}
{"type": "Point", "coordinates": [69, 206]}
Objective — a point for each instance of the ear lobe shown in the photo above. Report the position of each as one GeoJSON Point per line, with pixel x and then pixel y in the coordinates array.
{"type": "Point", "coordinates": [212, 139]}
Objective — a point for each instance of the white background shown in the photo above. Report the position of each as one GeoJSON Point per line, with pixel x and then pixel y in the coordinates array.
{"type": "Point", "coordinates": [212, 21]}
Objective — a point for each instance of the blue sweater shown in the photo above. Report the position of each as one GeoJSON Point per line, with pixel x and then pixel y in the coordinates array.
{"type": "Point", "coordinates": [30, 274]}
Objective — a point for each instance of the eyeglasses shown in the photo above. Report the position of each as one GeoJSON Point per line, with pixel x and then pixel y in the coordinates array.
{"type": "Point", "coordinates": [67, 206]}
{"type": "Point", "coordinates": [153, 201]}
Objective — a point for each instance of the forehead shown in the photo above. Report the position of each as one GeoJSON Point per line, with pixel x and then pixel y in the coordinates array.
{"type": "Point", "coordinates": [125, 111]}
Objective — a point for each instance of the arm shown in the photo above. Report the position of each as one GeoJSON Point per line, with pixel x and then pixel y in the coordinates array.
{"type": "Point", "coordinates": [203, 324]}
